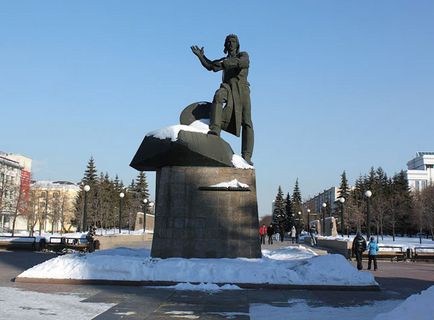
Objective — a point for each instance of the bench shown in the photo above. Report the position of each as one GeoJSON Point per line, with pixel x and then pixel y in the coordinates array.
{"type": "Point", "coordinates": [62, 244]}
{"type": "Point", "coordinates": [423, 253]}
{"type": "Point", "coordinates": [21, 243]}
{"type": "Point", "coordinates": [392, 252]}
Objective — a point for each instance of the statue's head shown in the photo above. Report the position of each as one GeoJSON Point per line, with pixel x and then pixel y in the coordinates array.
{"type": "Point", "coordinates": [232, 38]}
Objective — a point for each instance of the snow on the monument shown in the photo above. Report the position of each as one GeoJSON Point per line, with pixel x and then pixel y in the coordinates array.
{"type": "Point", "coordinates": [240, 163]}
{"type": "Point", "coordinates": [290, 265]}
{"type": "Point", "coordinates": [231, 184]}
{"type": "Point", "coordinates": [201, 126]}
{"type": "Point", "coordinates": [172, 132]}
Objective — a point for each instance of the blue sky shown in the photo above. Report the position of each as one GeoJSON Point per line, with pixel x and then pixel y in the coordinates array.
{"type": "Point", "coordinates": [335, 85]}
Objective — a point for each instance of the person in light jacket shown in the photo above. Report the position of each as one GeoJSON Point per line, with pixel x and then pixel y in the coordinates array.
{"type": "Point", "coordinates": [293, 234]}
{"type": "Point", "coordinates": [372, 253]}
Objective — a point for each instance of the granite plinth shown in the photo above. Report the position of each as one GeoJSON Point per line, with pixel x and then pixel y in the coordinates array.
{"type": "Point", "coordinates": [196, 222]}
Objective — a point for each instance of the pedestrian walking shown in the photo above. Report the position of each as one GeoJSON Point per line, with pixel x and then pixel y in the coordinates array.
{"type": "Point", "coordinates": [263, 233]}
{"type": "Point", "coordinates": [372, 253]}
{"type": "Point", "coordinates": [359, 246]}
{"type": "Point", "coordinates": [270, 232]}
{"type": "Point", "coordinates": [293, 234]}
{"type": "Point", "coordinates": [312, 232]}
{"type": "Point", "coordinates": [282, 232]}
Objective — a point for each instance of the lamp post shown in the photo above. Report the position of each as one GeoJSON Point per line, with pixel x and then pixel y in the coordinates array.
{"type": "Point", "coordinates": [368, 195]}
{"type": "Point", "coordinates": [145, 205]}
{"type": "Point", "coordinates": [299, 222]}
{"type": "Point", "coordinates": [121, 196]}
{"type": "Point", "coordinates": [145, 208]}
{"type": "Point", "coordinates": [342, 201]}
{"type": "Point", "coordinates": [308, 220]}
{"type": "Point", "coordinates": [324, 205]}
{"type": "Point", "coordinates": [86, 189]}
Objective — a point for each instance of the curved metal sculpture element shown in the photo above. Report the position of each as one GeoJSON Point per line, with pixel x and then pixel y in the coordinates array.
{"type": "Point", "coordinates": [195, 111]}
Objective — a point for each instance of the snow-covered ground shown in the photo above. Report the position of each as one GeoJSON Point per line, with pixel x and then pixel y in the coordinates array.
{"type": "Point", "coordinates": [405, 242]}
{"type": "Point", "coordinates": [418, 306]}
{"type": "Point", "coordinates": [98, 232]}
{"type": "Point", "coordinates": [289, 265]}
{"type": "Point", "coordinates": [16, 304]}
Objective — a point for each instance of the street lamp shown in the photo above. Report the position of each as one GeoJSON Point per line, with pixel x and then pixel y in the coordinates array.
{"type": "Point", "coordinates": [121, 195]}
{"type": "Point", "coordinates": [299, 222]}
{"type": "Point", "coordinates": [368, 195]}
{"type": "Point", "coordinates": [145, 205]}
{"type": "Point", "coordinates": [308, 219]}
{"type": "Point", "coordinates": [84, 222]}
{"type": "Point", "coordinates": [342, 200]}
{"type": "Point", "coordinates": [324, 205]}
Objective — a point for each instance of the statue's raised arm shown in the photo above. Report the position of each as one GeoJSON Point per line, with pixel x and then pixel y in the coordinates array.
{"type": "Point", "coordinates": [208, 64]}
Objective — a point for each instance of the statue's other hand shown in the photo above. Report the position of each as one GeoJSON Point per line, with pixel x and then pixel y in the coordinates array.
{"type": "Point", "coordinates": [197, 51]}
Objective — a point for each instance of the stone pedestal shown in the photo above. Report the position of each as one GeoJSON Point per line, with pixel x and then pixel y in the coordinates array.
{"type": "Point", "coordinates": [195, 220]}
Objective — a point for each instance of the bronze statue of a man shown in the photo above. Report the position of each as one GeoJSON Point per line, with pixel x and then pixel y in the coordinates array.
{"type": "Point", "coordinates": [234, 92]}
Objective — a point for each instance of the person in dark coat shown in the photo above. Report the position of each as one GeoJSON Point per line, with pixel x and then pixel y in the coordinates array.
{"type": "Point", "coordinates": [372, 253]}
{"type": "Point", "coordinates": [359, 246]}
{"type": "Point", "coordinates": [282, 232]}
{"type": "Point", "coordinates": [270, 232]}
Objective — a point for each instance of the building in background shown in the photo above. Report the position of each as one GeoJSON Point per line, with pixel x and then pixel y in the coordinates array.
{"type": "Point", "coordinates": [328, 196]}
{"type": "Point", "coordinates": [420, 171]}
{"type": "Point", "coordinates": [53, 206]}
{"type": "Point", "coordinates": [15, 176]}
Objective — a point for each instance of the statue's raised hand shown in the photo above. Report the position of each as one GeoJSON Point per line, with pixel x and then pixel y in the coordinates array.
{"type": "Point", "coordinates": [197, 51]}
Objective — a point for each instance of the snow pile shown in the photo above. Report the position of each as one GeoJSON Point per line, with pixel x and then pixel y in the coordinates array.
{"type": "Point", "coordinates": [291, 265]}
{"type": "Point", "coordinates": [206, 287]}
{"type": "Point", "coordinates": [240, 163]}
{"type": "Point", "coordinates": [16, 304]}
{"type": "Point", "coordinates": [15, 240]}
{"type": "Point", "coordinates": [231, 184]}
{"type": "Point", "coordinates": [418, 306]}
{"type": "Point", "coordinates": [172, 132]}
{"type": "Point", "coordinates": [301, 309]}
{"type": "Point", "coordinates": [200, 126]}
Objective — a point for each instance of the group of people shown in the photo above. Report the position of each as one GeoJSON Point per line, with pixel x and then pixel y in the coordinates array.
{"type": "Point", "coordinates": [359, 246]}
{"type": "Point", "coordinates": [268, 232]}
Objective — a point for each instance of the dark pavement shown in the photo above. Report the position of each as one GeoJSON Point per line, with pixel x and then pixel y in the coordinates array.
{"type": "Point", "coordinates": [398, 280]}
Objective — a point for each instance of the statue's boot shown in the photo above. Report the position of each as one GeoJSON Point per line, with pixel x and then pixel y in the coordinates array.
{"type": "Point", "coordinates": [215, 118]}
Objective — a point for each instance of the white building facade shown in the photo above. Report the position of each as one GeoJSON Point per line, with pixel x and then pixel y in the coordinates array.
{"type": "Point", "coordinates": [420, 171]}
{"type": "Point", "coordinates": [14, 187]}
{"type": "Point", "coordinates": [328, 196]}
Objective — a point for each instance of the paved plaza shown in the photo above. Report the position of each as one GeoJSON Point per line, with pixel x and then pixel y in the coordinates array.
{"type": "Point", "coordinates": [398, 280]}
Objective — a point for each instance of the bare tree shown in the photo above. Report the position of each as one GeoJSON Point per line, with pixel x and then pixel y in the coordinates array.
{"type": "Point", "coordinates": [427, 199]}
